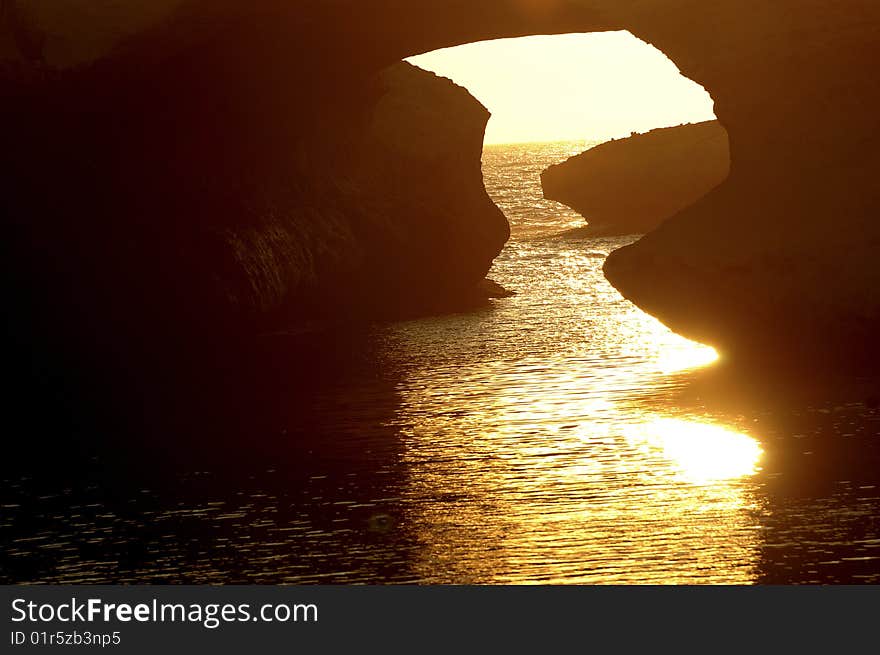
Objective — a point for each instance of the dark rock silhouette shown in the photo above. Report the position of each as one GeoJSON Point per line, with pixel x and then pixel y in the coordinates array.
{"type": "Point", "coordinates": [142, 246]}
{"type": "Point", "coordinates": [147, 179]}
{"type": "Point", "coordinates": [491, 289]}
{"type": "Point", "coordinates": [630, 186]}
{"type": "Point", "coordinates": [29, 41]}
{"type": "Point", "coordinates": [225, 222]}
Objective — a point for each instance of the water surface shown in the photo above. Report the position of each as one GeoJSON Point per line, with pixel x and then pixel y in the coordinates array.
{"type": "Point", "coordinates": [559, 436]}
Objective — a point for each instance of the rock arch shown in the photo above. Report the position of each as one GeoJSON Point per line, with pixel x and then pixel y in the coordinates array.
{"type": "Point", "coordinates": [779, 260]}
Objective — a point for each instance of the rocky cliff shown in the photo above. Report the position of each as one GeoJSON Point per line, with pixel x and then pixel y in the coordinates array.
{"type": "Point", "coordinates": [177, 140]}
{"type": "Point", "coordinates": [223, 219]}
{"type": "Point", "coordinates": [630, 186]}
{"type": "Point", "coordinates": [145, 251]}
{"type": "Point", "coordinates": [777, 266]}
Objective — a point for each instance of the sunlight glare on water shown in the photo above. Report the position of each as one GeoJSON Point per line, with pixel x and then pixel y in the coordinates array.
{"type": "Point", "coordinates": [689, 356]}
{"type": "Point", "coordinates": [533, 455]}
{"type": "Point", "coordinates": [545, 437]}
{"type": "Point", "coordinates": [703, 452]}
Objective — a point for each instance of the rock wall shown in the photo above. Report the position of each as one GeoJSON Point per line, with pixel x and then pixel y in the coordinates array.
{"type": "Point", "coordinates": [630, 186]}
{"type": "Point", "coordinates": [220, 98]}
{"type": "Point", "coordinates": [144, 253]}
{"type": "Point", "coordinates": [777, 266]}
{"type": "Point", "coordinates": [224, 220]}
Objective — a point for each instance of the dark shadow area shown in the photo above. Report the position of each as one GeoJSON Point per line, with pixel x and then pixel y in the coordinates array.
{"type": "Point", "coordinates": [278, 469]}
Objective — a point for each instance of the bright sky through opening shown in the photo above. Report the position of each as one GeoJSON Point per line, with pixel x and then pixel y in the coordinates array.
{"type": "Point", "coordinates": [572, 87]}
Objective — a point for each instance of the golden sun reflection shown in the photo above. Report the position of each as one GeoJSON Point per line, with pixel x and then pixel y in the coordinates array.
{"type": "Point", "coordinates": [673, 353]}
{"type": "Point", "coordinates": [688, 356]}
{"type": "Point", "coordinates": [703, 452]}
{"type": "Point", "coordinates": [557, 451]}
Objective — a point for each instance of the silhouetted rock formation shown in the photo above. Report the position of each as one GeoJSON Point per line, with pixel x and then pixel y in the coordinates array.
{"type": "Point", "coordinates": [164, 172]}
{"type": "Point", "coordinates": [367, 201]}
{"type": "Point", "coordinates": [144, 247]}
{"type": "Point", "coordinates": [630, 186]}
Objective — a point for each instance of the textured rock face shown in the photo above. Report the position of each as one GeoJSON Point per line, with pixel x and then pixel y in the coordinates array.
{"type": "Point", "coordinates": [778, 264]}
{"type": "Point", "coordinates": [630, 186]}
{"type": "Point", "coordinates": [381, 210]}
{"type": "Point", "coordinates": [369, 201]}
{"type": "Point", "coordinates": [780, 259]}
{"type": "Point", "coordinates": [430, 229]}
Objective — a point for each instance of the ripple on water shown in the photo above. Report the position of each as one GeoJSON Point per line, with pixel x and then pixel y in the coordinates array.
{"type": "Point", "coordinates": [534, 440]}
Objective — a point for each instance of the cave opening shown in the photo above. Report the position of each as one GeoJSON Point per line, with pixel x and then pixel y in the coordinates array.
{"type": "Point", "coordinates": [592, 141]}
{"type": "Point", "coordinates": [556, 97]}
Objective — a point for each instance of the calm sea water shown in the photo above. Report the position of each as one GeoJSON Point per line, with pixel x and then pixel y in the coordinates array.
{"type": "Point", "coordinates": [561, 435]}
